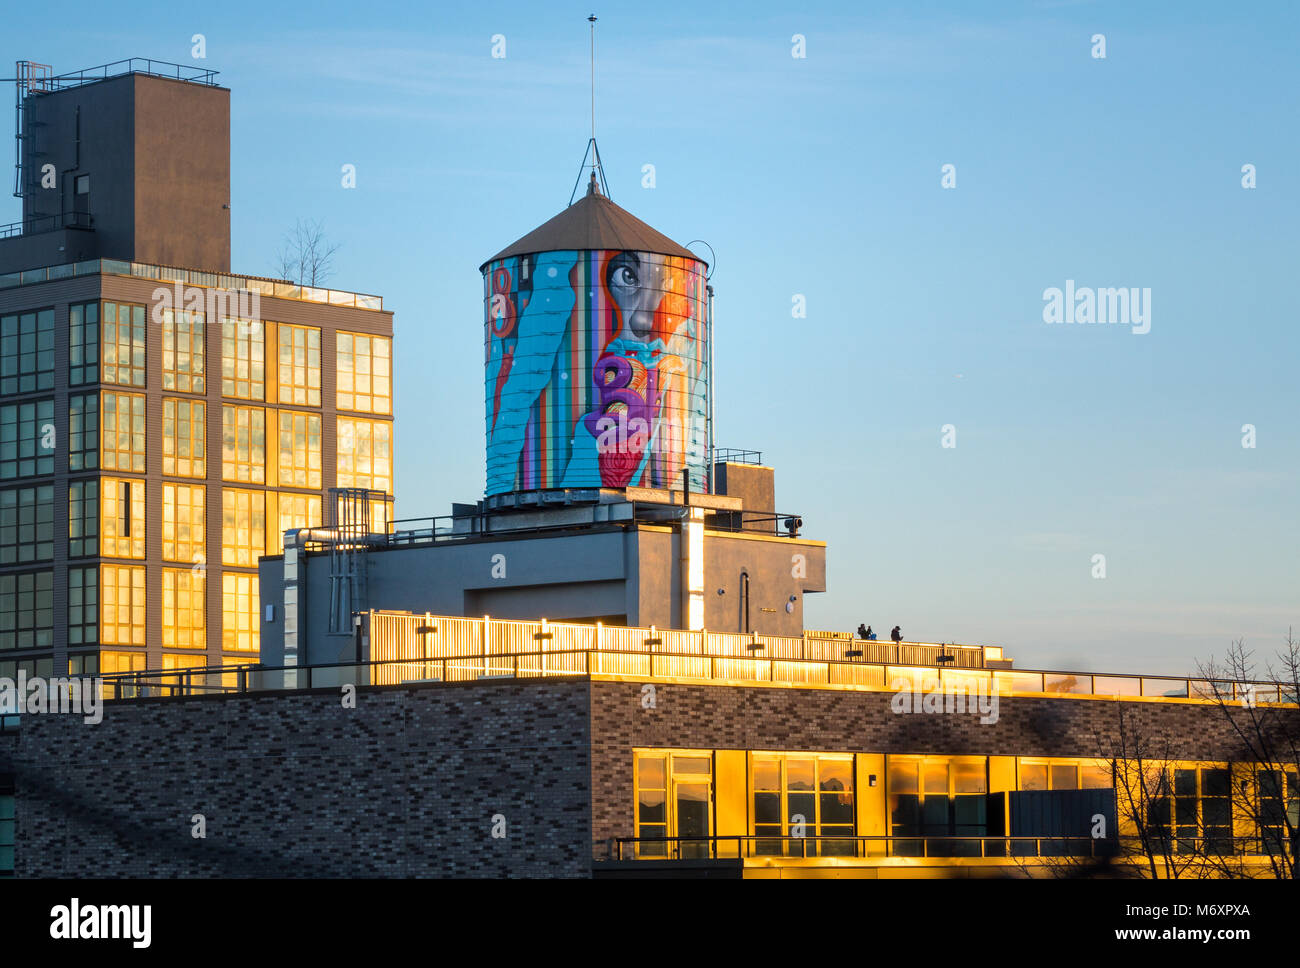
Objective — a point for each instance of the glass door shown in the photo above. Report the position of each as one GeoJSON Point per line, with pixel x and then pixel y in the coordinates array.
{"type": "Point", "coordinates": [692, 786]}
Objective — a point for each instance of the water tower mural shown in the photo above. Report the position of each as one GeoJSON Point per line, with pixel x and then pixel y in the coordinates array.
{"type": "Point", "coordinates": [596, 368]}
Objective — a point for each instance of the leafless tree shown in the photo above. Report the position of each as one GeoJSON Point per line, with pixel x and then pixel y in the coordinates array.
{"type": "Point", "coordinates": [1260, 705]}
{"type": "Point", "coordinates": [307, 257]}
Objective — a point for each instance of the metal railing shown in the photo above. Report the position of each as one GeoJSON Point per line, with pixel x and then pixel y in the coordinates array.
{"type": "Point", "coordinates": [277, 288]}
{"type": "Point", "coordinates": [133, 65]}
{"type": "Point", "coordinates": [46, 223]}
{"type": "Point", "coordinates": [731, 455]}
{"type": "Point", "coordinates": [877, 847]}
{"type": "Point", "coordinates": [462, 527]}
{"type": "Point", "coordinates": [1010, 847]}
{"type": "Point", "coordinates": [412, 659]}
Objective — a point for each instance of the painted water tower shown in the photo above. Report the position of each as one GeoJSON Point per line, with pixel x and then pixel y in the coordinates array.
{"type": "Point", "coordinates": [596, 350]}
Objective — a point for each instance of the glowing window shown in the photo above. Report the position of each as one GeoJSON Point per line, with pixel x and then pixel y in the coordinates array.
{"type": "Point", "coordinates": [182, 351]}
{"type": "Point", "coordinates": [364, 373]}
{"type": "Point", "coordinates": [121, 523]}
{"type": "Point", "coordinates": [123, 344]}
{"type": "Point", "coordinates": [123, 439]}
{"type": "Point", "coordinates": [239, 606]}
{"type": "Point", "coordinates": [122, 610]}
{"type": "Point", "coordinates": [243, 527]}
{"type": "Point", "coordinates": [184, 622]}
{"type": "Point", "coordinates": [183, 523]}
{"type": "Point", "coordinates": [300, 450]}
{"type": "Point", "coordinates": [243, 444]}
{"type": "Point", "coordinates": [243, 359]}
{"type": "Point", "coordinates": [184, 443]}
{"type": "Point", "coordinates": [299, 364]}
{"type": "Point", "coordinates": [365, 454]}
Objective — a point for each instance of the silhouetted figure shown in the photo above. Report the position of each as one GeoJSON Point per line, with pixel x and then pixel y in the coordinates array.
{"type": "Point", "coordinates": [896, 634]}
{"type": "Point", "coordinates": [864, 631]}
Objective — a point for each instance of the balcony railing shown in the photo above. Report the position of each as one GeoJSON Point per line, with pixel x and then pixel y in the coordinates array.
{"type": "Point", "coordinates": [1009, 848]}
{"type": "Point", "coordinates": [46, 223]}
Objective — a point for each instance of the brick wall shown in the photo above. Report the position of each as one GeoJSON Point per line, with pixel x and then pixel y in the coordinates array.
{"type": "Point", "coordinates": [406, 784]}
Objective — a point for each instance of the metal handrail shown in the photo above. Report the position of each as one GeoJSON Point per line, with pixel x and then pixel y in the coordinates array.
{"type": "Point", "coordinates": [46, 223]}
{"type": "Point", "coordinates": [153, 68]}
{"type": "Point", "coordinates": [931, 846]}
{"type": "Point", "coordinates": [594, 661]}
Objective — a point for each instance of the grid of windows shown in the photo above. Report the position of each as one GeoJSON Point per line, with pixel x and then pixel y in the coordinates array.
{"type": "Point", "coordinates": [183, 616]}
{"type": "Point", "coordinates": [243, 359]}
{"type": "Point", "coordinates": [27, 439]}
{"type": "Point", "coordinates": [365, 381]}
{"type": "Point", "coordinates": [83, 432]}
{"type": "Point", "coordinates": [124, 344]}
{"type": "Point", "coordinates": [83, 606]}
{"type": "Point", "coordinates": [184, 443]}
{"type": "Point", "coordinates": [123, 605]}
{"type": "Point", "coordinates": [243, 527]}
{"type": "Point", "coordinates": [243, 444]}
{"type": "Point", "coordinates": [183, 529]}
{"type": "Point", "coordinates": [123, 439]}
{"type": "Point", "coordinates": [27, 352]}
{"type": "Point", "coordinates": [239, 602]}
{"type": "Point", "coordinates": [27, 610]}
{"type": "Point", "coordinates": [365, 453]}
{"type": "Point", "coordinates": [299, 449]}
{"type": "Point", "coordinates": [299, 365]}
{"type": "Point", "coordinates": [83, 518]}
{"type": "Point", "coordinates": [182, 351]}
{"type": "Point", "coordinates": [296, 511]}
{"type": "Point", "coordinates": [83, 344]}
{"type": "Point", "coordinates": [27, 524]}
{"type": "Point", "coordinates": [121, 525]}
{"type": "Point", "coordinates": [804, 797]}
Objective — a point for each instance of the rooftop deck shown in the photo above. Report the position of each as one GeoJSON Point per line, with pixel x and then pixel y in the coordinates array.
{"type": "Point", "coordinates": [277, 288]}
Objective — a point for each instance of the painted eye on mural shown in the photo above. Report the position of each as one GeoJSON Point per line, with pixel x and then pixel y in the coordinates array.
{"type": "Point", "coordinates": [625, 277]}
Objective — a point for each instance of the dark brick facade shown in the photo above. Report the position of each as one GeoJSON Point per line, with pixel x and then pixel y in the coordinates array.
{"type": "Point", "coordinates": [405, 785]}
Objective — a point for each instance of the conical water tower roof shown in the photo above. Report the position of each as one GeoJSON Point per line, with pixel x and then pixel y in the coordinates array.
{"type": "Point", "coordinates": [594, 222]}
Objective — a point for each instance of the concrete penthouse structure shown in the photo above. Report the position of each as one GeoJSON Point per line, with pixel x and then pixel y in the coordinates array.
{"type": "Point", "coordinates": [163, 420]}
{"type": "Point", "coordinates": [599, 669]}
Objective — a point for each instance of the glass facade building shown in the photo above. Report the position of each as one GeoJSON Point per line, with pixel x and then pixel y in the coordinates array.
{"type": "Point", "coordinates": [138, 489]}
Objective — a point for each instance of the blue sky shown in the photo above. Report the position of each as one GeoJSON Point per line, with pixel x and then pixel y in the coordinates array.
{"type": "Point", "coordinates": [820, 176]}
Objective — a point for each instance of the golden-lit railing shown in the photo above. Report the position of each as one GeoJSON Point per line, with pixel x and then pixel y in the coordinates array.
{"type": "Point", "coordinates": [412, 648]}
{"type": "Point", "coordinates": [401, 635]}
